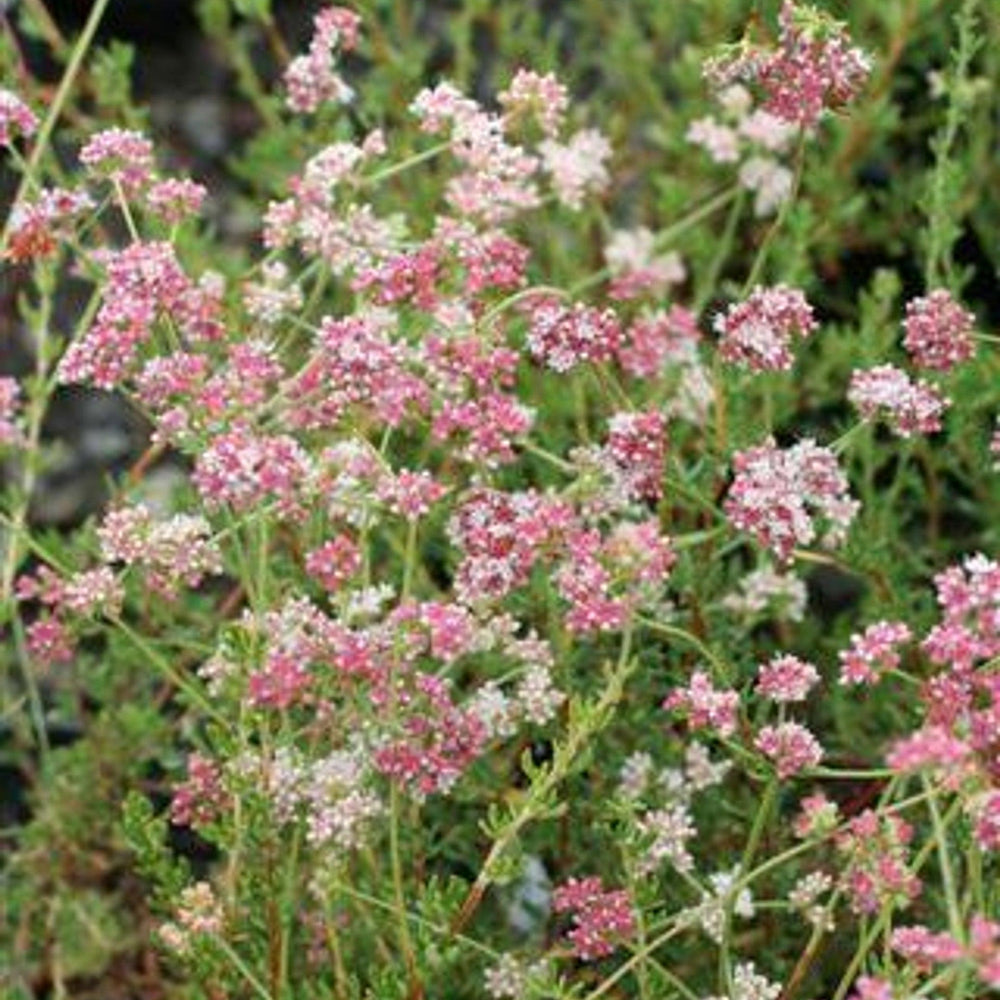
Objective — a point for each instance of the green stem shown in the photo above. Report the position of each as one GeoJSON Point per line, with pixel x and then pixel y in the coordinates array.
{"type": "Point", "coordinates": [775, 227]}
{"type": "Point", "coordinates": [168, 671]}
{"type": "Point", "coordinates": [722, 671]}
{"type": "Point", "coordinates": [749, 851]}
{"type": "Point", "coordinates": [405, 941]}
{"type": "Point", "coordinates": [243, 969]}
{"type": "Point", "coordinates": [666, 236]}
{"type": "Point", "coordinates": [565, 758]}
{"type": "Point", "coordinates": [411, 161]}
{"type": "Point", "coordinates": [710, 280]}
{"type": "Point", "coordinates": [955, 923]}
{"type": "Point", "coordinates": [638, 956]}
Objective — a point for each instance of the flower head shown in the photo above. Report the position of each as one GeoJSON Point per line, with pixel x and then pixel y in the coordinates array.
{"type": "Point", "coordinates": [536, 95]}
{"type": "Point", "coordinates": [758, 333]}
{"type": "Point", "coordinates": [787, 497]}
{"type": "Point", "coordinates": [814, 67]}
{"type": "Point", "coordinates": [562, 337]}
{"type": "Point", "coordinates": [311, 79]}
{"type": "Point", "coordinates": [790, 746]}
{"type": "Point", "coordinates": [16, 118]}
{"type": "Point", "coordinates": [577, 167]}
{"type": "Point", "coordinates": [786, 679]}
{"type": "Point", "coordinates": [122, 155]}
{"type": "Point", "coordinates": [909, 407]}
{"type": "Point", "coordinates": [872, 652]}
{"type": "Point", "coordinates": [600, 917]}
{"type": "Point", "coordinates": [938, 331]}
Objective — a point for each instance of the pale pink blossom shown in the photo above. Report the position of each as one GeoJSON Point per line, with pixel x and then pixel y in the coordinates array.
{"type": "Point", "coordinates": [720, 141]}
{"type": "Point", "coordinates": [872, 652]}
{"type": "Point", "coordinates": [790, 497]}
{"type": "Point", "coordinates": [705, 706]}
{"type": "Point", "coordinates": [122, 155]}
{"type": "Point", "coordinates": [175, 199]}
{"type": "Point", "coordinates": [601, 918]}
{"type": "Point", "coordinates": [758, 332]}
{"type": "Point", "coordinates": [790, 746]}
{"type": "Point", "coordinates": [311, 79]}
{"type": "Point", "coordinates": [910, 407]}
{"type": "Point", "coordinates": [578, 167]}
{"type": "Point", "coordinates": [536, 95]}
{"type": "Point", "coordinates": [938, 331]}
{"type": "Point", "coordinates": [16, 118]}
{"type": "Point", "coordinates": [786, 679]}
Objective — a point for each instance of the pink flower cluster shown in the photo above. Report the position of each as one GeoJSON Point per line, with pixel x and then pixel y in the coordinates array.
{"type": "Point", "coordinates": [411, 277]}
{"type": "Point", "coordinates": [877, 864]}
{"type": "Point", "coordinates": [410, 494]}
{"type": "Point", "coordinates": [705, 706]}
{"type": "Point", "coordinates": [932, 747]}
{"type": "Point", "coordinates": [123, 156]}
{"type": "Point", "coordinates": [16, 118]}
{"type": "Point", "coordinates": [498, 179]}
{"type": "Point", "coordinates": [817, 817]}
{"type": "Point", "coordinates": [601, 918]}
{"type": "Point", "coordinates": [171, 552]}
{"type": "Point", "coordinates": [536, 96]}
{"type": "Point", "coordinates": [36, 226]}
{"type": "Point", "coordinates": [199, 799]}
{"type": "Point", "coordinates": [938, 331]}
{"type": "Point", "coordinates": [562, 337]}
{"type": "Point", "coordinates": [969, 598]}
{"type": "Point", "coordinates": [50, 641]}
{"type": "Point", "coordinates": [813, 67]}
{"type": "Point", "coordinates": [636, 267]}
{"type": "Point", "coordinates": [636, 451]}
{"type": "Point", "coordinates": [604, 580]}
{"type": "Point", "coordinates": [787, 497]}
{"type": "Point", "coordinates": [909, 407]}
{"type": "Point", "coordinates": [10, 394]}
{"type": "Point", "coordinates": [175, 199]}
{"type": "Point", "coordinates": [439, 739]}
{"type": "Point", "coordinates": [357, 365]}
{"type": "Point", "coordinates": [758, 332]}
{"type": "Point", "coordinates": [243, 470]}
{"type": "Point", "coordinates": [654, 340]}
{"type": "Point", "coordinates": [873, 652]}
{"type": "Point", "coordinates": [578, 167]}
{"type": "Point", "coordinates": [334, 562]}
{"type": "Point", "coordinates": [926, 949]}
{"type": "Point", "coordinates": [501, 536]}
{"type": "Point", "coordinates": [311, 79]}
{"type": "Point", "coordinates": [86, 594]}
{"type": "Point", "coordinates": [790, 746]}
{"type": "Point", "coordinates": [348, 236]}
{"type": "Point", "coordinates": [987, 820]}
{"type": "Point", "coordinates": [786, 679]}
{"type": "Point", "coordinates": [871, 988]}
{"type": "Point", "coordinates": [143, 282]}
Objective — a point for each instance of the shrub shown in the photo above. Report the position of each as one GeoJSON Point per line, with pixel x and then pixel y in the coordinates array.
{"type": "Point", "coordinates": [494, 641]}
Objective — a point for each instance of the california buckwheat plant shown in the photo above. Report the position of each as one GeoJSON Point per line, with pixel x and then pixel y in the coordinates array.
{"type": "Point", "coordinates": [557, 552]}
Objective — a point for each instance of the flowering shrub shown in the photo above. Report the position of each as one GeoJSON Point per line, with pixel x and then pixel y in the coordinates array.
{"type": "Point", "coordinates": [493, 638]}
